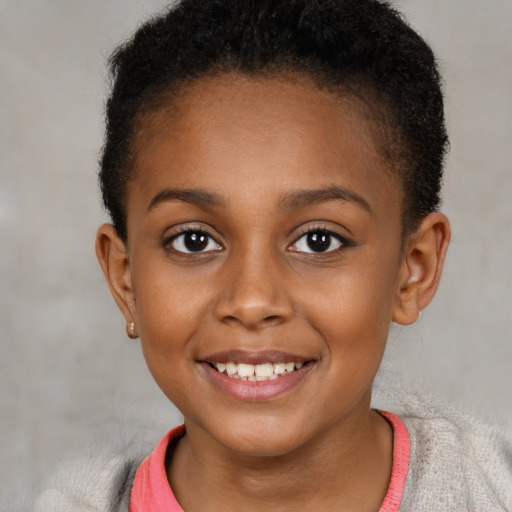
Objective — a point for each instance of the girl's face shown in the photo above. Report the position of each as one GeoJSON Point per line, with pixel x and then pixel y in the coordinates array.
{"type": "Point", "coordinates": [264, 228]}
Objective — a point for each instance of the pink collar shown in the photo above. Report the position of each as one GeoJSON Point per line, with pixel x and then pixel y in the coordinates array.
{"type": "Point", "coordinates": [401, 454]}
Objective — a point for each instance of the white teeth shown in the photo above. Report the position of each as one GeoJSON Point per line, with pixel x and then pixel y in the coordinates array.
{"type": "Point", "coordinates": [245, 370]}
{"type": "Point", "coordinates": [231, 368]}
{"type": "Point", "coordinates": [279, 368]}
{"type": "Point", "coordinates": [263, 370]}
{"type": "Point", "coordinates": [256, 372]}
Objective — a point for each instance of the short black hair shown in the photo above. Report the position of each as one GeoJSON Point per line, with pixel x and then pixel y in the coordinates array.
{"type": "Point", "coordinates": [362, 46]}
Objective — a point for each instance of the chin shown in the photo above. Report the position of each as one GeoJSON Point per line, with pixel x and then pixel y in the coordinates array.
{"type": "Point", "coordinates": [262, 440]}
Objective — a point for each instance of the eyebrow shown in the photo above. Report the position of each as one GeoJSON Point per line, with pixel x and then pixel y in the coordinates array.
{"type": "Point", "coordinates": [194, 196]}
{"type": "Point", "coordinates": [303, 198]}
{"type": "Point", "coordinates": [294, 200]}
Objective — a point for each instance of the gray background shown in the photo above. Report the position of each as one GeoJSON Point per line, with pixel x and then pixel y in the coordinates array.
{"type": "Point", "coordinates": [67, 371]}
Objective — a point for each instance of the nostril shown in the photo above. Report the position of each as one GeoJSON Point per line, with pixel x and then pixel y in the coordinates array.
{"type": "Point", "coordinates": [253, 323]}
{"type": "Point", "coordinates": [253, 307]}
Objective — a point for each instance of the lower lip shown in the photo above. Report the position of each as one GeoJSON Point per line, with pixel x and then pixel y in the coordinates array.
{"type": "Point", "coordinates": [254, 391]}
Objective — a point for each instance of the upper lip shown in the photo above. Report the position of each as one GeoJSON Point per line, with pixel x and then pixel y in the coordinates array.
{"type": "Point", "coordinates": [250, 357]}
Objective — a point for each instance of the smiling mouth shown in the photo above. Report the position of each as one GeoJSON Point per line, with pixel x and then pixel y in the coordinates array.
{"type": "Point", "coordinates": [257, 372]}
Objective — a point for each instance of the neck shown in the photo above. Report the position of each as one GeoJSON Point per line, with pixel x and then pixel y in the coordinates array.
{"type": "Point", "coordinates": [347, 467]}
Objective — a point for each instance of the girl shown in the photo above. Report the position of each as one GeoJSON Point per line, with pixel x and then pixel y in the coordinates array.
{"type": "Point", "coordinates": [272, 170]}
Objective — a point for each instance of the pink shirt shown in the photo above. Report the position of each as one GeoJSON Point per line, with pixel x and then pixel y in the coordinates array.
{"type": "Point", "coordinates": [151, 491]}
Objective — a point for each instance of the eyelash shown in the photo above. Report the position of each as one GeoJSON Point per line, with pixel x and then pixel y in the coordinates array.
{"type": "Point", "coordinates": [208, 239]}
{"type": "Point", "coordinates": [343, 242]}
{"type": "Point", "coordinates": [168, 242]}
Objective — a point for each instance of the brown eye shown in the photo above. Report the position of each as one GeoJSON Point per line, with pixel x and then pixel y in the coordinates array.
{"type": "Point", "coordinates": [319, 241]}
{"type": "Point", "coordinates": [193, 241]}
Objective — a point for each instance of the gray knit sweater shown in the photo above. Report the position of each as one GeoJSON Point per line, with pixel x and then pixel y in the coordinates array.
{"type": "Point", "coordinates": [457, 464]}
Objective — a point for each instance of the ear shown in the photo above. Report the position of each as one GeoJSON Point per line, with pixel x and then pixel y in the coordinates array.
{"type": "Point", "coordinates": [113, 257]}
{"type": "Point", "coordinates": [421, 268]}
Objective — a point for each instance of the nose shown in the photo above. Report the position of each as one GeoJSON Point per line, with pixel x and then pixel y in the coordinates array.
{"type": "Point", "coordinates": [255, 294]}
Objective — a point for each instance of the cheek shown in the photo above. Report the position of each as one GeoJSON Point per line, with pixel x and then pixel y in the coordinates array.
{"type": "Point", "coordinates": [169, 297]}
{"type": "Point", "coordinates": [353, 314]}
{"type": "Point", "coordinates": [352, 306]}
{"type": "Point", "coordinates": [170, 306]}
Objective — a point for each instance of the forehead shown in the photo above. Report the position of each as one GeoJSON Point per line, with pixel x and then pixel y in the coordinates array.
{"type": "Point", "coordinates": [253, 134]}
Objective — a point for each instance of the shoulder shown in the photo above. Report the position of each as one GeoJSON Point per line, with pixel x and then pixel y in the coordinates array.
{"type": "Point", "coordinates": [458, 462]}
{"type": "Point", "coordinates": [100, 484]}
{"type": "Point", "coordinates": [100, 477]}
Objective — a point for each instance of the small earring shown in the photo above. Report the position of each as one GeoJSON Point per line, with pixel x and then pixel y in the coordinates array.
{"type": "Point", "coordinates": [130, 330]}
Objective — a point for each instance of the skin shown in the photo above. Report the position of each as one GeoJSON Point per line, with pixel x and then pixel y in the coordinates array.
{"type": "Point", "coordinates": [256, 146]}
